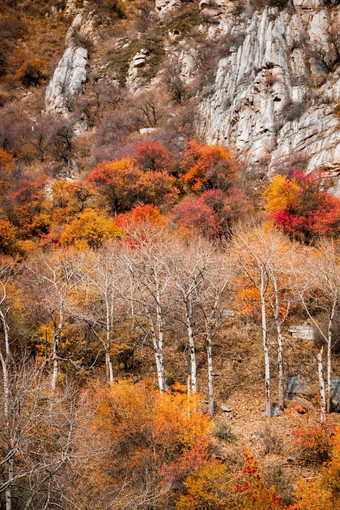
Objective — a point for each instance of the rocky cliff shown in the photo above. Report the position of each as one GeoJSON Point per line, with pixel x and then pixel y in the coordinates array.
{"type": "Point", "coordinates": [275, 92]}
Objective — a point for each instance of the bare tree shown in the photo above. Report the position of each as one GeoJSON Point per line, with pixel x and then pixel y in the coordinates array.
{"type": "Point", "coordinates": [260, 257]}
{"type": "Point", "coordinates": [215, 293]}
{"type": "Point", "coordinates": [54, 278]}
{"type": "Point", "coordinates": [6, 274]}
{"type": "Point", "coordinates": [103, 273]}
{"type": "Point", "coordinates": [316, 278]}
{"type": "Point", "coordinates": [149, 109]}
{"type": "Point", "coordinates": [36, 439]}
{"type": "Point", "coordinates": [187, 268]}
{"type": "Point", "coordinates": [145, 265]}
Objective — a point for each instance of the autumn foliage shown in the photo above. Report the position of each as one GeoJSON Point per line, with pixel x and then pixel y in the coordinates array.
{"type": "Point", "coordinates": [152, 438]}
{"type": "Point", "coordinates": [322, 493]}
{"type": "Point", "coordinates": [300, 208]}
{"type": "Point", "coordinates": [207, 167]}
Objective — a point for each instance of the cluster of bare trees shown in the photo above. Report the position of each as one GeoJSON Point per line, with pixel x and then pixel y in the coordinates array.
{"type": "Point", "coordinates": [279, 274]}
{"type": "Point", "coordinates": [150, 289]}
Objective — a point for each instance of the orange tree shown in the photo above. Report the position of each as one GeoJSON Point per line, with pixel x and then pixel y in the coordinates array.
{"type": "Point", "coordinates": [140, 432]}
{"type": "Point", "coordinates": [141, 215]}
{"type": "Point", "coordinates": [153, 156]}
{"type": "Point", "coordinates": [123, 184]}
{"type": "Point", "coordinates": [89, 229]}
{"type": "Point", "coordinates": [207, 166]}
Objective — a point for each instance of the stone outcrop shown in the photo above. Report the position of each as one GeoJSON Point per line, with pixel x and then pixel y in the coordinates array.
{"type": "Point", "coordinates": [303, 332]}
{"type": "Point", "coordinates": [67, 81]}
{"type": "Point", "coordinates": [275, 94]}
{"type": "Point", "coordinates": [335, 396]}
{"type": "Point", "coordinates": [299, 389]}
{"type": "Point", "coordinates": [70, 74]}
{"type": "Point", "coordinates": [165, 7]}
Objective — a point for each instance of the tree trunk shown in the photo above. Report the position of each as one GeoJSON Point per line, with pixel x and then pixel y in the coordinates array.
{"type": "Point", "coordinates": [6, 330]}
{"type": "Point", "coordinates": [268, 411]}
{"type": "Point", "coordinates": [8, 491]}
{"type": "Point", "coordinates": [322, 387]}
{"type": "Point", "coordinates": [329, 355]}
{"type": "Point", "coordinates": [109, 322]}
{"type": "Point", "coordinates": [210, 376]}
{"type": "Point", "coordinates": [159, 351]}
{"type": "Point", "coordinates": [55, 369]}
{"type": "Point", "coordinates": [280, 366]}
{"type": "Point", "coordinates": [191, 341]}
{"type": "Point", "coordinates": [4, 365]}
{"type": "Point", "coordinates": [108, 362]}
{"type": "Point", "coordinates": [160, 369]}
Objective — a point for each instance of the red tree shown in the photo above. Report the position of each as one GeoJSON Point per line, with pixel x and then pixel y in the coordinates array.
{"type": "Point", "coordinates": [152, 156]}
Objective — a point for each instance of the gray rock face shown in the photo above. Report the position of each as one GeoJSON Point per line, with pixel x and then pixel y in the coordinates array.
{"type": "Point", "coordinates": [303, 332]}
{"type": "Point", "coordinates": [335, 396]}
{"type": "Point", "coordinates": [275, 95]}
{"type": "Point", "coordinates": [298, 389]}
{"type": "Point", "coordinates": [164, 7]}
{"type": "Point", "coordinates": [68, 79]}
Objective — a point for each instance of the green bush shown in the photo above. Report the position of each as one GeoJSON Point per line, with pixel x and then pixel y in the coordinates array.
{"type": "Point", "coordinates": [223, 432]}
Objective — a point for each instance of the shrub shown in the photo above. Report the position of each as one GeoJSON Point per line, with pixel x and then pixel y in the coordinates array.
{"type": "Point", "coordinates": [6, 162]}
{"type": "Point", "coordinates": [271, 440]}
{"type": "Point", "coordinates": [323, 492]}
{"type": "Point", "coordinates": [313, 437]}
{"type": "Point", "coordinates": [32, 72]}
{"type": "Point", "coordinates": [293, 111]}
{"type": "Point", "coordinates": [223, 432]}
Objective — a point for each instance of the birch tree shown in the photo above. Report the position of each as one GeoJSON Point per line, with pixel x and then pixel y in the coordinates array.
{"type": "Point", "coordinates": [144, 258]}
{"type": "Point", "coordinates": [188, 266]}
{"type": "Point", "coordinates": [316, 277]}
{"type": "Point", "coordinates": [260, 259]}
{"type": "Point", "coordinates": [6, 274]}
{"type": "Point", "coordinates": [104, 285]}
{"type": "Point", "coordinates": [54, 279]}
{"type": "Point", "coordinates": [215, 293]}
{"type": "Point", "coordinates": [42, 445]}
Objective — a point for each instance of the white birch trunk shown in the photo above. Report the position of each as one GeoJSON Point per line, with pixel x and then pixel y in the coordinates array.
{"type": "Point", "coordinates": [55, 369]}
{"type": "Point", "coordinates": [280, 366]}
{"type": "Point", "coordinates": [108, 363]}
{"type": "Point", "coordinates": [8, 491]}
{"type": "Point", "coordinates": [5, 377]}
{"type": "Point", "coordinates": [329, 355]}
{"type": "Point", "coordinates": [191, 341]}
{"type": "Point", "coordinates": [268, 410]}
{"type": "Point", "coordinates": [210, 376]}
{"type": "Point", "coordinates": [159, 349]}
{"type": "Point", "coordinates": [109, 320]}
{"type": "Point", "coordinates": [157, 340]}
{"type": "Point", "coordinates": [321, 387]}
{"type": "Point", "coordinates": [160, 370]}
{"type": "Point", "coordinates": [276, 313]}
{"type": "Point", "coordinates": [6, 329]}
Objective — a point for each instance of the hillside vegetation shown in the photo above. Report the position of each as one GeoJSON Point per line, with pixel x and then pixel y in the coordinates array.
{"type": "Point", "coordinates": [169, 307]}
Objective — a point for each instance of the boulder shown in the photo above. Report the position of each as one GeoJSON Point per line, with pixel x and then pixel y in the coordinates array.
{"type": "Point", "coordinates": [335, 395]}
{"type": "Point", "coordinates": [303, 332]}
{"type": "Point", "coordinates": [299, 389]}
{"type": "Point", "coordinates": [164, 7]}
